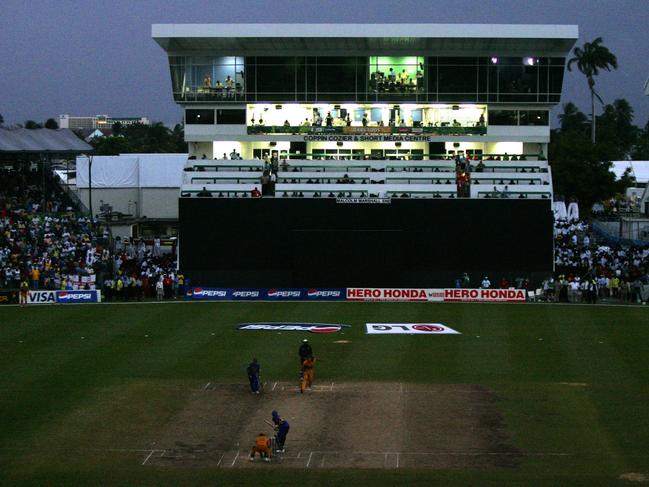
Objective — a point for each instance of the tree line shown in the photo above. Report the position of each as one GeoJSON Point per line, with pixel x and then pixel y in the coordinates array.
{"type": "Point", "coordinates": [135, 138]}
{"type": "Point", "coordinates": [582, 148]}
{"type": "Point", "coordinates": [139, 138]}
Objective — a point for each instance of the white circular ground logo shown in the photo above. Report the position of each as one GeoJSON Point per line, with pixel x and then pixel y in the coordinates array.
{"type": "Point", "coordinates": [428, 328]}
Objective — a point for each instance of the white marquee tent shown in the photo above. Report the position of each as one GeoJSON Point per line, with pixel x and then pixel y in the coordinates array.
{"type": "Point", "coordinates": [639, 169]}
{"type": "Point", "coordinates": [140, 185]}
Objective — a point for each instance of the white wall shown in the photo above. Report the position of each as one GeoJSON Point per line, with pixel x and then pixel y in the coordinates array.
{"type": "Point", "coordinates": [219, 148]}
{"type": "Point", "coordinates": [123, 200]}
{"type": "Point", "coordinates": [160, 203]}
{"type": "Point", "coordinates": [525, 133]}
{"type": "Point", "coordinates": [199, 148]}
{"type": "Point", "coordinates": [504, 147]}
{"type": "Point", "coordinates": [152, 203]}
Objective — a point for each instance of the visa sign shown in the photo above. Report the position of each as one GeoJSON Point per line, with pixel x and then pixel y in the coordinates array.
{"type": "Point", "coordinates": [41, 297]}
{"type": "Point", "coordinates": [63, 297]}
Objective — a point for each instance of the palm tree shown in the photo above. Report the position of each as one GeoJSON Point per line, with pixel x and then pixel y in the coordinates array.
{"type": "Point", "coordinates": [590, 59]}
{"type": "Point", "coordinates": [572, 120]}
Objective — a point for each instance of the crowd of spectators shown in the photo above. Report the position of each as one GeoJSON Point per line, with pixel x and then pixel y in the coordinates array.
{"type": "Point", "coordinates": [48, 243]}
{"type": "Point", "coordinates": [587, 271]}
{"type": "Point", "coordinates": [43, 240]}
{"type": "Point", "coordinates": [143, 272]}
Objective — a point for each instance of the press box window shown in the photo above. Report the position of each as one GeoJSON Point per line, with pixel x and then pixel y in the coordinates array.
{"type": "Point", "coordinates": [503, 117]}
{"type": "Point", "coordinates": [534, 117]}
{"type": "Point", "coordinates": [231, 117]}
{"type": "Point", "coordinates": [199, 117]}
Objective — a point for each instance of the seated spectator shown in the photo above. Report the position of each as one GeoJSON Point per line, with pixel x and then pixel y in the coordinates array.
{"type": "Point", "coordinates": [204, 193]}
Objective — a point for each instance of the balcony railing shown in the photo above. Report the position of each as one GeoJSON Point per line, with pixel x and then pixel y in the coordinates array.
{"type": "Point", "coordinates": [320, 130]}
{"type": "Point", "coordinates": [239, 94]}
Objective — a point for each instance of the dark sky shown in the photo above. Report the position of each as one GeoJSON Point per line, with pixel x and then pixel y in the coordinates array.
{"type": "Point", "coordinates": [96, 57]}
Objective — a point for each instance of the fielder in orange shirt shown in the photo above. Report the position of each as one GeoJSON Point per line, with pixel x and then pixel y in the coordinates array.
{"type": "Point", "coordinates": [262, 446]}
{"type": "Point", "coordinates": [307, 373]}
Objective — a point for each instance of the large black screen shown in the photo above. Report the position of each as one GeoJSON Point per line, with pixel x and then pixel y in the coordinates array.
{"type": "Point", "coordinates": [287, 242]}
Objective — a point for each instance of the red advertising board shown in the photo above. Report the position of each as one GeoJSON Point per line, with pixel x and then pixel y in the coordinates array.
{"type": "Point", "coordinates": [388, 294]}
{"type": "Point", "coordinates": [486, 295]}
{"type": "Point", "coordinates": [438, 295]}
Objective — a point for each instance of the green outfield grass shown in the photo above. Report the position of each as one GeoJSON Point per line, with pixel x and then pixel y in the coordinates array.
{"type": "Point", "coordinates": [82, 386]}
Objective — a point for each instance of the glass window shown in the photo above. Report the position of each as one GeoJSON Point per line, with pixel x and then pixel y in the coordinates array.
{"type": "Point", "coordinates": [396, 74]}
{"type": "Point", "coordinates": [556, 79]}
{"type": "Point", "coordinates": [276, 81]}
{"type": "Point", "coordinates": [503, 117]}
{"type": "Point", "coordinates": [199, 117]}
{"type": "Point", "coordinates": [336, 82]}
{"type": "Point", "coordinates": [231, 117]}
{"type": "Point", "coordinates": [208, 76]}
{"type": "Point", "coordinates": [534, 117]}
{"type": "Point", "coordinates": [178, 75]}
{"type": "Point", "coordinates": [458, 83]}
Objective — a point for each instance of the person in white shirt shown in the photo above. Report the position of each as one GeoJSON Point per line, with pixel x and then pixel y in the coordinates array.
{"type": "Point", "coordinates": [486, 283]}
{"type": "Point", "coordinates": [157, 249]}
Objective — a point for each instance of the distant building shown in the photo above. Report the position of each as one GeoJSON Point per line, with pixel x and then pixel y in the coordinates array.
{"type": "Point", "coordinates": [98, 121]}
{"type": "Point", "coordinates": [89, 134]}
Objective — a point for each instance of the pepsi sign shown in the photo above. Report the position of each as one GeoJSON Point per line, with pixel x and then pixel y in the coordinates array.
{"type": "Point", "coordinates": [272, 294]}
{"type": "Point", "coordinates": [310, 327]}
{"type": "Point", "coordinates": [284, 293]}
{"type": "Point", "coordinates": [325, 294]}
{"type": "Point", "coordinates": [76, 297]}
{"type": "Point", "coordinates": [207, 293]}
{"type": "Point", "coordinates": [246, 294]}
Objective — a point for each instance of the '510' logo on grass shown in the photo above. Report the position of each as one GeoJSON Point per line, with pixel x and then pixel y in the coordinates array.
{"type": "Point", "coordinates": [409, 329]}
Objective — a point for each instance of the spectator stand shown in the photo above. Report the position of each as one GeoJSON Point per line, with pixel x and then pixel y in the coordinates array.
{"type": "Point", "coordinates": [321, 176]}
{"type": "Point", "coordinates": [587, 270]}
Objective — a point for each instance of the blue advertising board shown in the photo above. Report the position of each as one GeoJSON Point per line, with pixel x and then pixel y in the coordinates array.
{"type": "Point", "coordinates": [263, 294]}
{"type": "Point", "coordinates": [63, 297]}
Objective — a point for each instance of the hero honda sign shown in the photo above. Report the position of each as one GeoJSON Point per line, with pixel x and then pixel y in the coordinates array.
{"type": "Point", "coordinates": [392, 294]}
{"type": "Point", "coordinates": [436, 295]}
{"type": "Point", "coordinates": [493, 295]}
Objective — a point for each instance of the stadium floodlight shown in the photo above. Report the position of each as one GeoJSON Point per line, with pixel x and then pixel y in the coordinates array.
{"type": "Point", "coordinates": [494, 60]}
{"type": "Point", "coordinates": [530, 61]}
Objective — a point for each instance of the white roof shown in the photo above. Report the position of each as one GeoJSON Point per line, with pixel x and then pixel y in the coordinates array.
{"type": "Point", "coordinates": [639, 169]}
{"type": "Point", "coordinates": [460, 39]}
{"type": "Point", "coordinates": [448, 31]}
{"type": "Point", "coordinates": [132, 171]}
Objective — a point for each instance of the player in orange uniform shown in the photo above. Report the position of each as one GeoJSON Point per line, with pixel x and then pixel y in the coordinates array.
{"type": "Point", "coordinates": [307, 373]}
{"type": "Point", "coordinates": [262, 446]}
